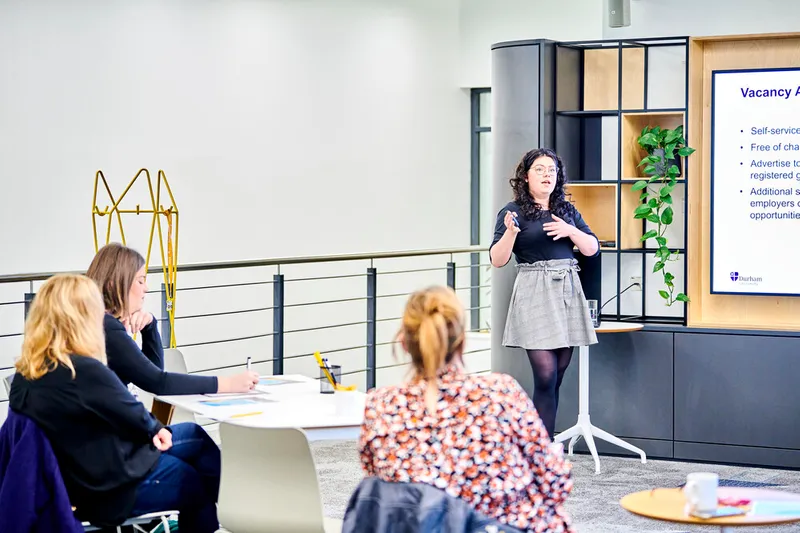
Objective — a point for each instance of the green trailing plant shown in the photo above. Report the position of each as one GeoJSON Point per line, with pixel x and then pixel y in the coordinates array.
{"type": "Point", "coordinates": [664, 147]}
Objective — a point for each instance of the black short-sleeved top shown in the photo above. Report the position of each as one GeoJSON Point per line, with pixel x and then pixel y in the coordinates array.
{"type": "Point", "coordinates": [533, 244]}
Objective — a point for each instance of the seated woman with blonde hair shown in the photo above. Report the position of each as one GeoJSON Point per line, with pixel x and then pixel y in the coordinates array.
{"type": "Point", "coordinates": [116, 460]}
{"type": "Point", "coordinates": [479, 438]}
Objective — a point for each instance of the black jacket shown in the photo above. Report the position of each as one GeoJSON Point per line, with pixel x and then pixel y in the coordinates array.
{"type": "Point", "coordinates": [379, 506]}
{"type": "Point", "coordinates": [101, 435]}
{"type": "Point", "coordinates": [145, 368]}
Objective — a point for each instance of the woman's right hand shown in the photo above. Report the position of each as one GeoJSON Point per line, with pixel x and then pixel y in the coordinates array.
{"type": "Point", "coordinates": [510, 223]}
{"type": "Point", "coordinates": [244, 382]}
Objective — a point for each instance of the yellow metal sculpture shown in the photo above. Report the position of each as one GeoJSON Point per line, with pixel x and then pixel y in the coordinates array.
{"type": "Point", "coordinates": [159, 215]}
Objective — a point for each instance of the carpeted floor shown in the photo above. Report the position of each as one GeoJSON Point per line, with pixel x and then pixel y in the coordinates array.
{"type": "Point", "coordinates": [594, 503]}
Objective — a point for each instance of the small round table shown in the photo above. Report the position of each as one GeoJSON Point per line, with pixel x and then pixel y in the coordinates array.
{"type": "Point", "coordinates": [669, 505]}
{"type": "Point", "coordinates": [584, 428]}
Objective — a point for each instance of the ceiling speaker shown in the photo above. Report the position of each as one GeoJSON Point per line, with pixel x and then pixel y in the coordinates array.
{"type": "Point", "coordinates": [619, 13]}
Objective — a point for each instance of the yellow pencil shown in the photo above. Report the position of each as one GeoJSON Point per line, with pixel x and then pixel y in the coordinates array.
{"type": "Point", "coordinates": [240, 415]}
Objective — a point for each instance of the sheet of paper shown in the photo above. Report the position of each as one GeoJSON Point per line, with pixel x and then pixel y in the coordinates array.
{"type": "Point", "coordinates": [775, 508]}
{"type": "Point", "coordinates": [244, 399]}
{"type": "Point", "coordinates": [233, 394]}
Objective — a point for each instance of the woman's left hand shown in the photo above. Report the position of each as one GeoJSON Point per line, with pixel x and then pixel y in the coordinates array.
{"type": "Point", "coordinates": [558, 229]}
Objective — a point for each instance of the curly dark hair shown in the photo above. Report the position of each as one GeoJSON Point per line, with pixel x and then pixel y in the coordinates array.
{"type": "Point", "coordinates": [559, 205]}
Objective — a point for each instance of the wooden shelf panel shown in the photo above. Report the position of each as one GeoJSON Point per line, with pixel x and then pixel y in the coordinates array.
{"type": "Point", "coordinates": [632, 126]}
{"type": "Point", "coordinates": [601, 79]}
{"type": "Point", "coordinates": [597, 203]}
{"type": "Point", "coordinates": [632, 229]}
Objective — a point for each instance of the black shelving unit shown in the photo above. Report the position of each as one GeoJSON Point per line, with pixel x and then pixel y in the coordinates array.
{"type": "Point", "coordinates": [584, 68]}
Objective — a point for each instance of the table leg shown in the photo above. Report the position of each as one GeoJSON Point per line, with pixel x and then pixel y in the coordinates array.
{"type": "Point", "coordinates": [584, 428]}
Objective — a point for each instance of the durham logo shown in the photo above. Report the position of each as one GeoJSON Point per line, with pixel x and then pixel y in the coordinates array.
{"type": "Point", "coordinates": [746, 279]}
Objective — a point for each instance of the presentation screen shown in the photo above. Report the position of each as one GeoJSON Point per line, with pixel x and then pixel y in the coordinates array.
{"type": "Point", "coordinates": [755, 182]}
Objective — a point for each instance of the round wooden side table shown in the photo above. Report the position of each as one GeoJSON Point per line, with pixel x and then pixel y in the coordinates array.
{"type": "Point", "coordinates": [669, 505]}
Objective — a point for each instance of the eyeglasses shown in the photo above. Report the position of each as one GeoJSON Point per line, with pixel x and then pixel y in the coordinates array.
{"type": "Point", "coordinates": [541, 171]}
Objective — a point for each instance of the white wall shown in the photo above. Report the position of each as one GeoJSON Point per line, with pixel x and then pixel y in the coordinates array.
{"type": "Point", "coordinates": [659, 18]}
{"type": "Point", "coordinates": [285, 127]}
{"type": "Point", "coordinates": [486, 22]}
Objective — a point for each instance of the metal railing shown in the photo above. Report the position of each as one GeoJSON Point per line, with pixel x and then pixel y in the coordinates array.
{"type": "Point", "coordinates": [346, 285]}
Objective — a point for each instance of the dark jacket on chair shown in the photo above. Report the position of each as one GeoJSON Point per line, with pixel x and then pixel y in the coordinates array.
{"type": "Point", "coordinates": [379, 506]}
{"type": "Point", "coordinates": [32, 494]}
{"type": "Point", "coordinates": [100, 434]}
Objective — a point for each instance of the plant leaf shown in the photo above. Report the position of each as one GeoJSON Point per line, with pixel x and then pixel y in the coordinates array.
{"type": "Point", "coordinates": [649, 235]}
{"type": "Point", "coordinates": [662, 241]}
{"type": "Point", "coordinates": [682, 297]}
{"type": "Point", "coordinates": [666, 190]}
{"type": "Point", "coordinates": [653, 202]}
{"type": "Point", "coordinates": [644, 196]}
{"type": "Point", "coordinates": [685, 152]}
{"type": "Point", "coordinates": [639, 185]}
{"type": "Point", "coordinates": [652, 217]}
{"type": "Point", "coordinates": [658, 266]}
{"type": "Point", "coordinates": [673, 171]}
{"type": "Point", "coordinates": [649, 140]}
{"type": "Point", "coordinates": [672, 136]}
{"type": "Point", "coordinates": [664, 294]}
{"type": "Point", "coordinates": [643, 209]}
{"type": "Point", "coordinates": [650, 169]}
{"type": "Point", "coordinates": [667, 199]}
{"type": "Point", "coordinates": [666, 216]}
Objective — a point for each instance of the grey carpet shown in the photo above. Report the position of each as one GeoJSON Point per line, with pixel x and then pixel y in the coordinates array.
{"type": "Point", "coordinates": [594, 502]}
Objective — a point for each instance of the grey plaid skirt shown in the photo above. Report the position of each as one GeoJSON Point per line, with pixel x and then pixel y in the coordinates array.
{"type": "Point", "coordinates": [548, 309]}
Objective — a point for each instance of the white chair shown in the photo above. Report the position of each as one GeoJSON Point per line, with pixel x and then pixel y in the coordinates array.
{"type": "Point", "coordinates": [269, 483]}
{"type": "Point", "coordinates": [175, 362]}
{"type": "Point", "coordinates": [7, 383]}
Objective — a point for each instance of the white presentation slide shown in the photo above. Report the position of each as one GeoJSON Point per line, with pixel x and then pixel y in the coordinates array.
{"type": "Point", "coordinates": [755, 182]}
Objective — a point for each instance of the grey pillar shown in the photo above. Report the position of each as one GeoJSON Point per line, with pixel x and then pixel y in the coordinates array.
{"type": "Point", "coordinates": [522, 114]}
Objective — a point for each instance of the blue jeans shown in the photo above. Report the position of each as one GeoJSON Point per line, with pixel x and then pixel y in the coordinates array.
{"type": "Point", "coordinates": [186, 479]}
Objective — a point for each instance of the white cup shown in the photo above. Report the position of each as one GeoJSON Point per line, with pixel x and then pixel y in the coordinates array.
{"type": "Point", "coordinates": [701, 492]}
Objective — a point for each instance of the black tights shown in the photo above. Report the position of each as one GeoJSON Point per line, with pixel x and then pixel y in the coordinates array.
{"type": "Point", "coordinates": [548, 371]}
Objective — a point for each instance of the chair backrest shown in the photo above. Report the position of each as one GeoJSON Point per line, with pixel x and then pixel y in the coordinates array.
{"type": "Point", "coordinates": [7, 383]}
{"type": "Point", "coordinates": [269, 481]}
{"type": "Point", "coordinates": [174, 361]}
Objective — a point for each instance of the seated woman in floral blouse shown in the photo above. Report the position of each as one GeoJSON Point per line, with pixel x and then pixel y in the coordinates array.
{"type": "Point", "coordinates": [477, 437]}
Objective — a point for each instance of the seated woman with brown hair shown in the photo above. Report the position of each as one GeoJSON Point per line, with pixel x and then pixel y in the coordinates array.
{"type": "Point", "coordinates": [479, 438]}
{"type": "Point", "coordinates": [120, 273]}
{"type": "Point", "coordinates": [116, 460]}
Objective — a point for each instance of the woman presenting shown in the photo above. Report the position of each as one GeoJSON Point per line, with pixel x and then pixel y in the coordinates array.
{"type": "Point", "coordinates": [120, 273]}
{"type": "Point", "coordinates": [548, 315]}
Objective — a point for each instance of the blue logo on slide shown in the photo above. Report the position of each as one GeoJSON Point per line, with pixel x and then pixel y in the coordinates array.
{"type": "Point", "coordinates": [734, 276]}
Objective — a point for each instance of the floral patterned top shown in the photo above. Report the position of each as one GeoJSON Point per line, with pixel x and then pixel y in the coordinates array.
{"type": "Point", "coordinates": [486, 445]}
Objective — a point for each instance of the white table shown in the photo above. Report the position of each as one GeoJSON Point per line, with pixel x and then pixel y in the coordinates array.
{"type": "Point", "coordinates": [336, 416]}
{"type": "Point", "coordinates": [584, 428]}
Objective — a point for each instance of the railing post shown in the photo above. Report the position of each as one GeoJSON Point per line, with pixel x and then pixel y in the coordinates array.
{"type": "Point", "coordinates": [277, 324]}
{"type": "Point", "coordinates": [475, 290]}
{"type": "Point", "coordinates": [166, 327]}
{"type": "Point", "coordinates": [28, 301]}
{"type": "Point", "coordinates": [372, 315]}
{"type": "Point", "coordinates": [451, 275]}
